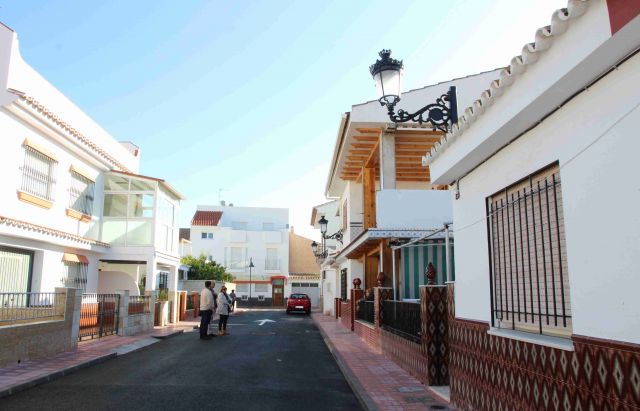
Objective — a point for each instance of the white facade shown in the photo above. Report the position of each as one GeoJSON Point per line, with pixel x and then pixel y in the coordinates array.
{"type": "Point", "coordinates": [56, 162]}
{"type": "Point", "coordinates": [593, 137]}
{"type": "Point", "coordinates": [244, 234]}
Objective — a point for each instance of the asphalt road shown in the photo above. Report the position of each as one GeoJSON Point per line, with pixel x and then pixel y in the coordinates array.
{"type": "Point", "coordinates": [281, 365]}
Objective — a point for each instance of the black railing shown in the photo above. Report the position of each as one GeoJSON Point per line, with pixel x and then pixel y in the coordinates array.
{"type": "Point", "coordinates": [99, 315]}
{"type": "Point", "coordinates": [365, 311]}
{"type": "Point", "coordinates": [401, 318]}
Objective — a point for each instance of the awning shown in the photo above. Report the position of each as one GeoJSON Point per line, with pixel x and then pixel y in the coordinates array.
{"type": "Point", "coordinates": [75, 258]}
{"type": "Point", "coordinates": [370, 239]}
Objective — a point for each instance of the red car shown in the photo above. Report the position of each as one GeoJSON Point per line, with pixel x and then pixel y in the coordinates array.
{"type": "Point", "coordinates": [299, 302]}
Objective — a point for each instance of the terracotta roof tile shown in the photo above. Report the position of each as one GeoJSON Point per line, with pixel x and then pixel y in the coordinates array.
{"type": "Point", "coordinates": [206, 218]}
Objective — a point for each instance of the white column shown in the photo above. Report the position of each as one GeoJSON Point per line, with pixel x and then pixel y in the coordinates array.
{"type": "Point", "coordinates": [387, 161]}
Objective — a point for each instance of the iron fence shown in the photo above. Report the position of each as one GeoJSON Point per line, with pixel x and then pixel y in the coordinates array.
{"type": "Point", "coordinates": [139, 304]}
{"type": "Point", "coordinates": [26, 307]}
{"type": "Point", "coordinates": [99, 315]}
{"type": "Point", "coordinates": [402, 318]}
{"type": "Point", "coordinates": [365, 311]}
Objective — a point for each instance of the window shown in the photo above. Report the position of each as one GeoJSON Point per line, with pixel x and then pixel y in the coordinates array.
{"type": "Point", "coordinates": [207, 236]}
{"type": "Point", "coordinates": [343, 284]}
{"type": "Point", "coordinates": [38, 174]}
{"type": "Point", "coordinates": [75, 275]}
{"type": "Point", "coordinates": [244, 297]}
{"type": "Point", "coordinates": [261, 298]}
{"type": "Point", "coordinates": [529, 276]}
{"type": "Point", "coordinates": [81, 193]}
{"type": "Point", "coordinates": [16, 269]}
{"type": "Point", "coordinates": [163, 280]}
{"type": "Point", "coordinates": [268, 227]}
{"type": "Point", "coordinates": [242, 288]}
{"type": "Point", "coordinates": [261, 288]}
{"type": "Point", "coordinates": [272, 262]}
{"type": "Point", "coordinates": [236, 258]}
{"type": "Point", "coordinates": [239, 225]}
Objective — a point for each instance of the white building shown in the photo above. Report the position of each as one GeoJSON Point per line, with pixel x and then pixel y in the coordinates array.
{"type": "Point", "coordinates": [545, 170]}
{"type": "Point", "coordinates": [235, 237]}
{"type": "Point", "coordinates": [385, 197]}
{"type": "Point", "coordinates": [73, 204]}
{"type": "Point", "coordinates": [330, 280]}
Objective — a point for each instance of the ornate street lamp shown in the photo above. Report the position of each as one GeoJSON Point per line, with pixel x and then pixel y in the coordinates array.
{"type": "Point", "coordinates": [250, 267]}
{"type": "Point", "coordinates": [322, 252]}
{"type": "Point", "coordinates": [387, 73]}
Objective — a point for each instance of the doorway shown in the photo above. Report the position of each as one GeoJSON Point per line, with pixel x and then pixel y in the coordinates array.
{"type": "Point", "coordinates": [277, 287]}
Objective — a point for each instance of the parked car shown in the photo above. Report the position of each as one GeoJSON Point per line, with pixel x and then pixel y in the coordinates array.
{"type": "Point", "coordinates": [299, 302]}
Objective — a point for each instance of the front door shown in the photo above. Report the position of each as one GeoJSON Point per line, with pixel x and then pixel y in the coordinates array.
{"type": "Point", "coordinates": [278, 292]}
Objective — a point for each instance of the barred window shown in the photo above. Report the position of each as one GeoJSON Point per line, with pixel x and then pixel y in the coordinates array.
{"type": "Point", "coordinates": [261, 288]}
{"type": "Point", "coordinates": [81, 191]}
{"type": "Point", "coordinates": [343, 284]}
{"type": "Point", "coordinates": [38, 174]}
{"type": "Point", "coordinates": [529, 276]}
{"type": "Point", "coordinates": [163, 280]}
{"type": "Point", "coordinates": [75, 275]}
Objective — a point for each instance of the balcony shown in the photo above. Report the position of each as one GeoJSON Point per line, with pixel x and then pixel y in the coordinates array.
{"type": "Point", "coordinates": [413, 209]}
{"type": "Point", "coordinates": [272, 264]}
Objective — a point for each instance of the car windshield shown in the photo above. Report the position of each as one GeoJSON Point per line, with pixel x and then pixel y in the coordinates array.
{"type": "Point", "coordinates": [299, 296]}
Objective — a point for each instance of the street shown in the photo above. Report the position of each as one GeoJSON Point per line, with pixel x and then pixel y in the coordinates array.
{"type": "Point", "coordinates": [281, 365]}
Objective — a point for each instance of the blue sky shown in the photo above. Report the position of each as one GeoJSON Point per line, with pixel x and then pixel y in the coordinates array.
{"type": "Point", "coordinates": [246, 96]}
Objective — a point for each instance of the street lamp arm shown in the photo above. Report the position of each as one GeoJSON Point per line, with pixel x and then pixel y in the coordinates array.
{"type": "Point", "coordinates": [335, 236]}
{"type": "Point", "coordinates": [441, 114]}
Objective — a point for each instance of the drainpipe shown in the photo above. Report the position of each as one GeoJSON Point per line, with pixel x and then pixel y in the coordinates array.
{"type": "Point", "coordinates": [447, 251]}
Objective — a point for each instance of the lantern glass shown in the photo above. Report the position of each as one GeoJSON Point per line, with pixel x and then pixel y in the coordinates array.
{"type": "Point", "coordinates": [323, 225]}
{"type": "Point", "coordinates": [389, 85]}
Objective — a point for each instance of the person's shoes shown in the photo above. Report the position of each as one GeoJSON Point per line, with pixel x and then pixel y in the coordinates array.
{"type": "Point", "coordinates": [221, 332]}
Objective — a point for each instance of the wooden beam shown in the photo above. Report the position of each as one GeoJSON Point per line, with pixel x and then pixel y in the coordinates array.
{"type": "Point", "coordinates": [418, 132]}
{"type": "Point", "coordinates": [369, 130]}
{"type": "Point", "coordinates": [369, 197]}
{"type": "Point", "coordinates": [374, 157]}
{"type": "Point", "coordinates": [363, 145]}
{"type": "Point", "coordinates": [366, 138]}
{"type": "Point", "coordinates": [426, 146]}
{"type": "Point", "coordinates": [357, 158]}
{"type": "Point", "coordinates": [406, 139]}
{"type": "Point", "coordinates": [360, 152]}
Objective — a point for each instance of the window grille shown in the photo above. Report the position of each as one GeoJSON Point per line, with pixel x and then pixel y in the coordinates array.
{"type": "Point", "coordinates": [81, 191]}
{"type": "Point", "coordinates": [261, 288]}
{"type": "Point", "coordinates": [75, 275]}
{"type": "Point", "coordinates": [242, 288]}
{"type": "Point", "coordinates": [163, 280]}
{"type": "Point", "coordinates": [529, 276]}
{"type": "Point", "coordinates": [343, 284]}
{"type": "Point", "coordinates": [261, 298]}
{"type": "Point", "coordinates": [38, 174]}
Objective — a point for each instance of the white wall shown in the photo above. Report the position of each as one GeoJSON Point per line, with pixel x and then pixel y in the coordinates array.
{"type": "Point", "coordinates": [595, 139]}
{"type": "Point", "coordinates": [413, 209]}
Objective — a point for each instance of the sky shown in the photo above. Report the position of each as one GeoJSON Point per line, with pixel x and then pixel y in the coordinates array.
{"type": "Point", "coordinates": [241, 100]}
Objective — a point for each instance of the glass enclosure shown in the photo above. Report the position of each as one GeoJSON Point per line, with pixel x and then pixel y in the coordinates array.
{"type": "Point", "coordinates": [134, 209]}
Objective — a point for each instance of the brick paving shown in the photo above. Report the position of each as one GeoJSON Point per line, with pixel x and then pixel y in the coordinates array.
{"type": "Point", "coordinates": [26, 374]}
{"type": "Point", "coordinates": [379, 383]}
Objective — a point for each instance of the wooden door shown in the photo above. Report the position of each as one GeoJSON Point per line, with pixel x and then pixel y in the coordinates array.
{"type": "Point", "coordinates": [277, 296]}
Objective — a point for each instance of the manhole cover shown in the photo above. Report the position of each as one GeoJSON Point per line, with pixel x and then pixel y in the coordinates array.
{"type": "Point", "coordinates": [411, 389]}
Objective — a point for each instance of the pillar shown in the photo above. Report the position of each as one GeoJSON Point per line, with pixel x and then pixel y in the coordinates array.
{"type": "Point", "coordinates": [387, 161]}
{"type": "Point", "coordinates": [123, 312]}
{"type": "Point", "coordinates": [356, 294]}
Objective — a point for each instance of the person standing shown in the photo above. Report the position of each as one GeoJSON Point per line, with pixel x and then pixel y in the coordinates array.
{"type": "Point", "coordinates": [206, 310]}
{"type": "Point", "coordinates": [224, 302]}
{"type": "Point", "coordinates": [233, 300]}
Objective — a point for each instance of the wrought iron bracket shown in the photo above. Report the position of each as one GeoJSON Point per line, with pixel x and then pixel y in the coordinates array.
{"type": "Point", "coordinates": [441, 115]}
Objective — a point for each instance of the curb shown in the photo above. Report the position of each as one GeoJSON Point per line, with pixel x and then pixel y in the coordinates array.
{"type": "Point", "coordinates": [361, 394]}
{"type": "Point", "coordinates": [168, 335]}
{"type": "Point", "coordinates": [54, 376]}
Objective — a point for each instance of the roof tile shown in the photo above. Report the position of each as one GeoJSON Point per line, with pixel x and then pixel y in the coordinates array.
{"type": "Point", "coordinates": [206, 218]}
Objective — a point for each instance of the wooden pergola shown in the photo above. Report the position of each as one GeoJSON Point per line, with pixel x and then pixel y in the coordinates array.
{"type": "Point", "coordinates": [410, 146]}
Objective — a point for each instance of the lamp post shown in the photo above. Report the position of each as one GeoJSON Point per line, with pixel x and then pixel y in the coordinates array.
{"type": "Point", "coordinates": [321, 252]}
{"type": "Point", "coordinates": [250, 267]}
{"type": "Point", "coordinates": [387, 73]}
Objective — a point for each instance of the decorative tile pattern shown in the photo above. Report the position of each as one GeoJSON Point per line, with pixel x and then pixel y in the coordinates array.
{"type": "Point", "coordinates": [356, 295]}
{"type": "Point", "coordinates": [407, 354]}
{"type": "Point", "coordinates": [488, 372]}
{"type": "Point", "coordinates": [434, 331]}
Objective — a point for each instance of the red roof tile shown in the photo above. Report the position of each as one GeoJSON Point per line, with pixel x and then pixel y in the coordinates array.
{"type": "Point", "coordinates": [206, 218]}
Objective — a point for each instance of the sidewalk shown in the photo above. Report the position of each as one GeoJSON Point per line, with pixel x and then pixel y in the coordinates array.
{"type": "Point", "coordinates": [27, 374]}
{"type": "Point", "coordinates": [379, 383]}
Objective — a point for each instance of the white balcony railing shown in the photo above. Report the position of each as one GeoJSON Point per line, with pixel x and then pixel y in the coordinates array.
{"type": "Point", "coordinates": [413, 209]}
{"type": "Point", "coordinates": [272, 264]}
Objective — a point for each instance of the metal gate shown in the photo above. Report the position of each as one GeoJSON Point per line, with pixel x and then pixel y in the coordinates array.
{"type": "Point", "coordinates": [98, 315]}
